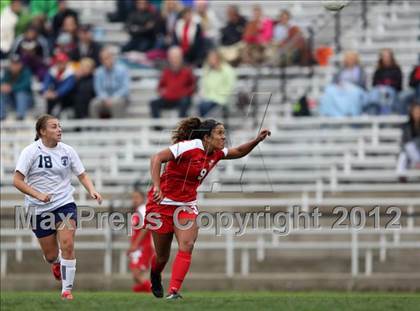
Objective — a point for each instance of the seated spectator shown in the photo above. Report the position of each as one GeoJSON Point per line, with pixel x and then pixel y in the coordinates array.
{"type": "Point", "coordinates": [170, 13]}
{"type": "Point", "coordinates": [217, 84]}
{"type": "Point", "coordinates": [112, 84]}
{"type": "Point", "coordinates": [176, 86]}
{"type": "Point", "coordinates": [387, 82]}
{"type": "Point", "coordinates": [289, 45]}
{"type": "Point", "coordinates": [33, 50]}
{"type": "Point", "coordinates": [84, 90]}
{"type": "Point", "coordinates": [209, 23]}
{"type": "Point", "coordinates": [342, 100]}
{"type": "Point", "coordinates": [58, 19]}
{"type": "Point", "coordinates": [58, 85]}
{"type": "Point", "coordinates": [351, 70]}
{"type": "Point", "coordinates": [258, 32]}
{"type": "Point", "coordinates": [231, 35]}
{"type": "Point", "coordinates": [87, 47]}
{"type": "Point", "coordinates": [67, 40]}
{"type": "Point", "coordinates": [13, 20]}
{"type": "Point", "coordinates": [142, 27]}
{"type": "Point", "coordinates": [188, 35]}
{"type": "Point", "coordinates": [412, 94]}
{"type": "Point", "coordinates": [16, 89]}
{"type": "Point", "coordinates": [409, 157]}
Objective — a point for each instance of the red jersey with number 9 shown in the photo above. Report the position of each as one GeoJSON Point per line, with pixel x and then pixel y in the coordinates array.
{"type": "Point", "coordinates": [184, 174]}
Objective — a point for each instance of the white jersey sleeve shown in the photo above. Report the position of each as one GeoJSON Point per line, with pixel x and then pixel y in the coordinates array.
{"type": "Point", "coordinates": [76, 164]}
{"type": "Point", "coordinates": [183, 146]}
{"type": "Point", "coordinates": [25, 160]}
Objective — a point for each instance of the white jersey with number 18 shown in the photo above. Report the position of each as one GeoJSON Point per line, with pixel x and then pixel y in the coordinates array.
{"type": "Point", "coordinates": [49, 170]}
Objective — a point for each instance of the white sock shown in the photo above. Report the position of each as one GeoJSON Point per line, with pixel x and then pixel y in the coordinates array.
{"type": "Point", "coordinates": [68, 270]}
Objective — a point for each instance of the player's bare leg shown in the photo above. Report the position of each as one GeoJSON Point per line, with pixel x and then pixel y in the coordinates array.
{"type": "Point", "coordinates": [186, 239]}
{"type": "Point", "coordinates": [142, 284]}
{"type": "Point", "coordinates": [65, 234]}
{"type": "Point", "coordinates": [51, 253]}
{"type": "Point", "coordinates": [162, 244]}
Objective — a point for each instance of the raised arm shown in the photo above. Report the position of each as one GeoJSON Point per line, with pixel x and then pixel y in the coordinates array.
{"type": "Point", "coordinates": [244, 149]}
{"type": "Point", "coordinates": [155, 167]}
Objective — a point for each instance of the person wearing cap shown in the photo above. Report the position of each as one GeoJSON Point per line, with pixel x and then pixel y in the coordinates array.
{"type": "Point", "coordinates": [59, 84]}
{"type": "Point", "coordinates": [16, 89]}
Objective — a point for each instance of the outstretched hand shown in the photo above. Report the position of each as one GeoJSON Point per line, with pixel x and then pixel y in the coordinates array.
{"type": "Point", "coordinates": [96, 196]}
{"type": "Point", "coordinates": [263, 135]}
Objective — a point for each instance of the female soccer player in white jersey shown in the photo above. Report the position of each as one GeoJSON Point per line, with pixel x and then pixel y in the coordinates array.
{"type": "Point", "coordinates": [43, 174]}
{"type": "Point", "coordinates": [198, 146]}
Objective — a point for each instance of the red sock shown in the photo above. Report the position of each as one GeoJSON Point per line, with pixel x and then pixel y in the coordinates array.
{"type": "Point", "coordinates": [180, 268]}
{"type": "Point", "coordinates": [156, 266]}
{"type": "Point", "coordinates": [147, 286]}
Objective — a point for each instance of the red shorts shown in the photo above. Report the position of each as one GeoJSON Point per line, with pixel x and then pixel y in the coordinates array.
{"type": "Point", "coordinates": [160, 218]}
{"type": "Point", "coordinates": [141, 258]}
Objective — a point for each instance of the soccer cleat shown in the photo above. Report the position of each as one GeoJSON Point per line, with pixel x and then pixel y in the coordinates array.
{"type": "Point", "coordinates": [56, 271]}
{"type": "Point", "coordinates": [156, 280]}
{"type": "Point", "coordinates": [66, 295]}
{"type": "Point", "coordinates": [173, 296]}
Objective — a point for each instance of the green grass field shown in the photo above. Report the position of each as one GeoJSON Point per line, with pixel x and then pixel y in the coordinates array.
{"type": "Point", "coordinates": [248, 301]}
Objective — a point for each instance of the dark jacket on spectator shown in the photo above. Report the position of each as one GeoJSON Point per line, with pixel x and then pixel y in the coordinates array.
{"type": "Point", "coordinates": [232, 32]}
{"type": "Point", "coordinates": [58, 20]}
{"type": "Point", "coordinates": [415, 77]}
{"type": "Point", "coordinates": [92, 51]}
{"type": "Point", "coordinates": [174, 85]}
{"type": "Point", "coordinates": [191, 41]}
{"type": "Point", "coordinates": [84, 92]}
{"type": "Point", "coordinates": [34, 48]}
{"type": "Point", "coordinates": [142, 24]}
{"type": "Point", "coordinates": [391, 76]}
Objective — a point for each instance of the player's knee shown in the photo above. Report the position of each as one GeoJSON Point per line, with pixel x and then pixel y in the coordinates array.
{"type": "Point", "coordinates": [67, 247]}
{"type": "Point", "coordinates": [51, 257]}
{"type": "Point", "coordinates": [162, 258]}
{"type": "Point", "coordinates": [186, 246]}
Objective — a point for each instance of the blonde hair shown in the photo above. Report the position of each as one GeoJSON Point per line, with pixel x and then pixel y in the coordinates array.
{"type": "Point", "coordinates": [351, 54]}
{"type": "Point", "coordinates": [87, 62]}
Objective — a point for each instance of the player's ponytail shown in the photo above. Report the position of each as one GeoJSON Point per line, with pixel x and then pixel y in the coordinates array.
{"type": "Point", "coordinates": [41, 123]}
{"type": "Point", "coordinates": [186, 130]}
{"type": "Point", "coordinates": [193, 128]}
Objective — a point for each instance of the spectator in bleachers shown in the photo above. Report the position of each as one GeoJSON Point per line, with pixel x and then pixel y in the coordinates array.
{"type": "Point", "coordinates": [409, 156]}
{"type": "Point", "coordinates": [351, 70]}
{"type": "Point", "coordinates": [123, 10]}
{"type": "Point", "coordinates": [387, 83]}
{"type": "Point", "coordinates": [58, 19]}
{"type": "Point", "coordinates": [87, 47]}
{"type": "Point", "coordinates": [258, 33]}
{"type": "Point", "coordinates": [58, 85]}
{"type": "Point", "coordinates": [188, 35]}
{"type": "Point", "coordinates": [346, 95]}
{"type": "Point", "coordinates": [142, 27]}
{"type": "Point", "coordinates": [34, 51]}
{"type": "Point", "coordinates": [67, 40]}
{"type": "Point", "coordinates": [288, 46]}
{"type": "Point", "coordinates": [16, 89]}
{"type": "Point", "coordinates": [231, 35]}
{"type": "Point", "coordinates": [84, 91]}
{"type": "Point", "coordinates": [413, 93]}
{"type": "Point", "coordinates": [176, 86]}
{"type": "Point", "coordinates": [171, 10]}
{"type": "Point", "coordinates": [13, 21]}
{"type": "Point", "coordinates": [208, 22]}
{"type": "Point", "coordinates": [217, 84]}
{"type": "Point", "coordinates": [112, 85]}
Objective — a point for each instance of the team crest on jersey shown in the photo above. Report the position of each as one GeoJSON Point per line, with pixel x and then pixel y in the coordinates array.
{"type": "Point", "coordinates": [65, 160]}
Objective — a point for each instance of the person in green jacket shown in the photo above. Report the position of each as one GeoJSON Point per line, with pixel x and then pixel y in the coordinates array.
{"type": "Point", "coordinates": [47, 8]}
{"type": "Point", "coordinates": [217, 84]}
{"type": "Point", "coordinates": [15, 89]}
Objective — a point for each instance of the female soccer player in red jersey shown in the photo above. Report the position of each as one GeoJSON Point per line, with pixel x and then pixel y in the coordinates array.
{"type": "Point", "coordinates": [197, 148]}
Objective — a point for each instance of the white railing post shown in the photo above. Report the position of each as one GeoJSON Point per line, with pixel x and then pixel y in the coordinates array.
{"type": "Point", "coordinates": [230, 253]}
{"type": "Point", "coordinates": [245, 262]}
{"type": "Point", "coordinates": [123, 262]}
{"type": "Point", "coordinates": [354, 253]}
{"type": "Point", "coordinates": [347, 163]}
{"type": "Point", "coordinates": [19, 253]}
{"type": "Point", "coordinates": [305, 202]}
{"type": "Point", "coordinates": [361, 148]}
{"type": "Point", "coordinates": [382, 250]}
{"type": "Point", "coordinates": [375, 134]}
{"type": "Point", "coordinates": [319, 191]}
{"type": "Point", "coordinates": [333, 178]}
{"type": "Point", "coordinates": [260, 248]}
{"type": "Point", "coordinates": [108, 249]}
{"type": "Point", "coordinates": [368, 262]}
{"type": "Point", "coordinates": [410, 218]}
{"type": "Point", "coordinates": [3, 262]}
{"type": "Point", "coordinates": [129, 151]}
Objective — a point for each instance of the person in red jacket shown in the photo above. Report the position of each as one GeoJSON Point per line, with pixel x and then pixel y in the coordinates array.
{"type": "Point", "coordinates": [141, 248]}
{"type": "Point", "coordinates": [176, 86]}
